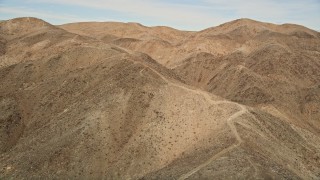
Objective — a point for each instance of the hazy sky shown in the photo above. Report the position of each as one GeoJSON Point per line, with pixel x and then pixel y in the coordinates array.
{"type": "Point", "coordinates": [180, 14]}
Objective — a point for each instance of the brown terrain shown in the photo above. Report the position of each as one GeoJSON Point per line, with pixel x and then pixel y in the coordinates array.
{"type": "Point", "coordinates": [125, 101]}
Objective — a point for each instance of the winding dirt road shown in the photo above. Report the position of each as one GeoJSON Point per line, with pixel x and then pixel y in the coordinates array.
{"type": "Point", "coordinates": [208, 97]}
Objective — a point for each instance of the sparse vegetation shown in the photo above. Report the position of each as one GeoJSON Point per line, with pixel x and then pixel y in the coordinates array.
{"type": "Point", "coordinates": [126, 101]}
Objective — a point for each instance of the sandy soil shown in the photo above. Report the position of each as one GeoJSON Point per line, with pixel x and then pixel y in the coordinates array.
{"type": "Point", "coordinates": [126, 101]}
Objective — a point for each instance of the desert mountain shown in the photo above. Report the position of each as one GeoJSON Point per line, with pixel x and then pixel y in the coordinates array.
{"type": "Point", "coordinates": [263, 64]}
{"type": "Point", "coordinates": [126, 101]}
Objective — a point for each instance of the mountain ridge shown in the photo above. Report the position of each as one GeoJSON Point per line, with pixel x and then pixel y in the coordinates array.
{"type": "Point", "coordinates": [125, 101]}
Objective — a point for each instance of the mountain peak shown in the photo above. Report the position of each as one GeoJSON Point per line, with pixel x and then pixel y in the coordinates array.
{"type": "Point", "coordinates": [23, 25]}
{"type": "Point", "coordinates": [27, 20]}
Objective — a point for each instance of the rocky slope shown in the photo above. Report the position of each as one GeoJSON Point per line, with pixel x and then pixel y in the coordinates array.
{"type": "Point", "coordinates": [125, 101]}
{"type": "Point", "coordinates": [264, 64]}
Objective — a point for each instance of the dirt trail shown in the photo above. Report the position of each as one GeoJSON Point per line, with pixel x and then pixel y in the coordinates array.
{"type": "Point", "coordinates": [214, 157]}
{"type": "Point", "coordinates": [254, 167]}
{"type": "Point", "coordinates": [230, 120]}
{"type": "Point", "coordinates": [224, 151]}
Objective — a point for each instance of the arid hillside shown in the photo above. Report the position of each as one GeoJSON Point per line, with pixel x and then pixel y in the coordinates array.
{"type": "Point", "coordinates": [126, 101]}
{"type": "Point", "coordinates": [246, 61]}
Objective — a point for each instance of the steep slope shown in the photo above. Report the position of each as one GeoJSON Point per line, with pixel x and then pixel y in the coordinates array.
{"type": "Point", "coordinates": [78, 107]}
{"type": "Point", "coordinates": [28, 39]}
{"type": "Point", "coordinates": [263, 65]}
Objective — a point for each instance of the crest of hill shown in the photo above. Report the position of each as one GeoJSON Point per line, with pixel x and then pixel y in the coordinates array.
{"type": "Point", "coordinates": [24, 25]}
{"type": "Point", "coordinates": [101, 30]}
{"type": "Point", "coordinates": [245, 29]}
{"type": "Point", "coordinates": [245, 35]}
